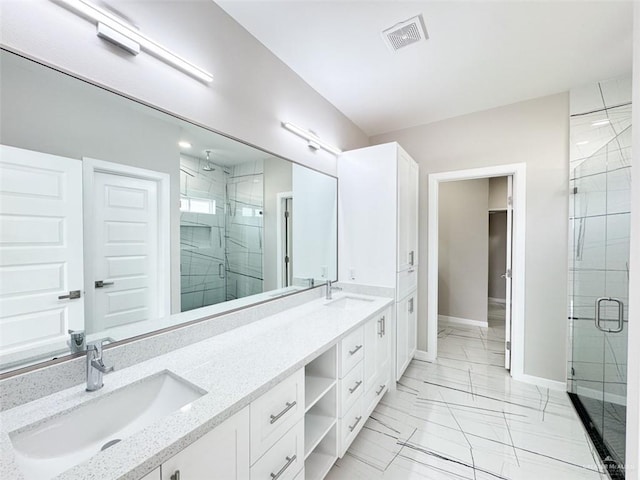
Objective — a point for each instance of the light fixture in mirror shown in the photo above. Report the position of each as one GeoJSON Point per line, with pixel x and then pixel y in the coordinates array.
{"type": "Point", "coordinates": [118, 230]}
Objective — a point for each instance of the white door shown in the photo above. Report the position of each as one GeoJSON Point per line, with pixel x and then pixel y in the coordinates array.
{"type": "Point", "coordinates": [508, 275]}
{"type": "Point", "coordinates": [124, 234]}
{"type": "Point", "coordinates": [40, 250]}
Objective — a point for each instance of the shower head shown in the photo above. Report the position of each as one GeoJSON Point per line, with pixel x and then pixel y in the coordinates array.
{"type": "Point", "coordinates": [209, 166]}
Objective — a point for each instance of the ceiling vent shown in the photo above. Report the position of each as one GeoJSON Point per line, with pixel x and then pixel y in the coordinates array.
{"type": "Point", "coordinates": [405, 33]}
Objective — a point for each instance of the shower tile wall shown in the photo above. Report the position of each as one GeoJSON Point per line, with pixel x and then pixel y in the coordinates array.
{"type": "Point", "coordinates": [245, 194]}
{"type": "Point", "coordinates": [202, 235]}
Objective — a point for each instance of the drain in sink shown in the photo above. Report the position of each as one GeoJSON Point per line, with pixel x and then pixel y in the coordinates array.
{"type": "Point", "coordinates": [110, 443]}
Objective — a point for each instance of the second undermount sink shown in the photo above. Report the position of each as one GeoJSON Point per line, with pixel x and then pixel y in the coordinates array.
{"type": "Point", "coordinates": [348, 302]}
{"type": "Point", "coordinates": [50, 447]}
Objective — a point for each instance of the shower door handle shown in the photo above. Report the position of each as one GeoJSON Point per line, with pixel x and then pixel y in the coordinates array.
{"type": "Point", "coordinates": [221, 270]}
{"type": "Point", "coordinates": [599, 301]}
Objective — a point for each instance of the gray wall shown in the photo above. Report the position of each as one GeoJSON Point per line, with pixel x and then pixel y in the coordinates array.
{"type": "Point", "coordinates": [497, 254]}
{"type": "Point", "coordinates": [497, 193]}
{"type": "Point", "coordinates": [252, 91]}
{"type": "Point", "coordinates": [535, 132]}
{"type": "Point", "coordinates": [463, 249]}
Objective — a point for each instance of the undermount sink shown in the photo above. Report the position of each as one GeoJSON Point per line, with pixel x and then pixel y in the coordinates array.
{"type": "Point", "coordinates": [50, 447]}
{"type": "Point", "coordinates": [348, 302]}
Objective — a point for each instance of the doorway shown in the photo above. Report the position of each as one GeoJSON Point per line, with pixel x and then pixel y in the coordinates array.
{"type": "Point", "coordinates": [126, 232]}
{"type": "Point", "coordinates": [514, 329]}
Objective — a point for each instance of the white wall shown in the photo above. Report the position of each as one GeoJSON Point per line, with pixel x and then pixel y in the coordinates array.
{"type": "Point", "coordinates": [252, 91]}
{"type": "Point", "coordinates": [277, 179]}
{"type": "Point", "coordinates": [633, 363]}
{"type": "Point", "coordinates": [535, 132]}
{"type": "Point", "coordinates": [463, 249]}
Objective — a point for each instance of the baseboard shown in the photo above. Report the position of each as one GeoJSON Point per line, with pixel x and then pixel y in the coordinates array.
{"type": "Point", "coordinates": [445, 319]}
{"type": "Point", "coordinates": [597, 395]}
{"type": "Point", "coordinates": [502, 301]}
{"type": "Point", "coordinates": [541, 382]}
{"type": "Point", "coordinates": [423, 356]}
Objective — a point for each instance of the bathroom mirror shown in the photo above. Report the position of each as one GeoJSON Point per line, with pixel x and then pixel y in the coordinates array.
{"type": "Point", "coordinates": [119, 219]}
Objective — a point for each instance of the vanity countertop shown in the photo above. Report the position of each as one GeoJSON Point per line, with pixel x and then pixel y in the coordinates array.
{"type": "Point", "coordinates": [235, 368]}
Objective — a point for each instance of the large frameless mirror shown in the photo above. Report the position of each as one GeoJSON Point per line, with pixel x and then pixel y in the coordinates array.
{"type": "Point", "coordinates": [118, 219]}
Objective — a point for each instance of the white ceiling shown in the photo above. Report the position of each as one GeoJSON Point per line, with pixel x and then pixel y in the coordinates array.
{"type": "Point", "coordinates": [480, 54]}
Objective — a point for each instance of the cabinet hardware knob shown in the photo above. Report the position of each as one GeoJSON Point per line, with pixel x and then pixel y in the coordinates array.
{"type": "Point", "coordinates": [355, 350]}
{"type": "Point", "coordinates": [289, 406]}
{"type": "Point", "coordinates": [290, 460]}
{"type": "Point", "coordinates": [378, 392]}
{"type": "Point", "coordinates": [353, 389]}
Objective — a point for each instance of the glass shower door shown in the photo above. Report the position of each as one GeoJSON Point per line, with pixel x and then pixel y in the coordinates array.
{"type": "Point", "coordinates": [599, 288]}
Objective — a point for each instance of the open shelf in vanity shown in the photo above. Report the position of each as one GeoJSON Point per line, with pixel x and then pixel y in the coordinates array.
{"type": "Point", "coordinates": [321, 414]}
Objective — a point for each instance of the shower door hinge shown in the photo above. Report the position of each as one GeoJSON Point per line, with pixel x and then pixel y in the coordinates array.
{"type": "Point", "coordinates": [573, 372]}
{"type": "Point", "coordinates": [286, 259]}
{"type": "Point", "coordinates": [286, 214]}
{"type": "Point", "coordinates": [508, 345]}
{"type": "Point", "coordinates": [510, 201]}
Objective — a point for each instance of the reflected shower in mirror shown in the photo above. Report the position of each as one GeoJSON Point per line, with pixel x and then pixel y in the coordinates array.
{"type": "Point", "coordinates": [119, 219]}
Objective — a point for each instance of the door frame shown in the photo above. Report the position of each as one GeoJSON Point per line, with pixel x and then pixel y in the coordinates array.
{"type": "Point", "coordinates": [91, 166]}
{"type": "Point", "coordinates": [518, 171]}
{"type": "Point", "coordinates": [281, 198]}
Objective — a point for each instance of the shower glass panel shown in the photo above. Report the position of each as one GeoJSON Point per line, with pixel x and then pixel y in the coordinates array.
{"type": "Point", "coordinates": [600, 182]}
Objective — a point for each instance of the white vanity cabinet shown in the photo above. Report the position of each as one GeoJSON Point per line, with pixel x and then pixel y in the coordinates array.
{"type": "Point", "coordinates": [221, 453]}
{"type": "Point", "coordinates": [378, 225]}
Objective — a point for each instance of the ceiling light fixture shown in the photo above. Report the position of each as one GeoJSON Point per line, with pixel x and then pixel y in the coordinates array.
{"type": "Point", "coordinates": [314, 141]}
{"type": "Point", "coordinates": [113, 27]}
{"type": "Point", "coordinates": [184, 144]}
{"type": "Point", "coordinates": [600, 123]}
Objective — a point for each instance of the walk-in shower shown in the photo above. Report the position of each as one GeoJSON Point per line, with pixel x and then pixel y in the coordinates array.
{"type": "Point", "coordinates": [600, 186]}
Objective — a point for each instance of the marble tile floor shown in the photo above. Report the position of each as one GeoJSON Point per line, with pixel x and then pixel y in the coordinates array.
{"type": "Point", "coordinates": [463, 417]}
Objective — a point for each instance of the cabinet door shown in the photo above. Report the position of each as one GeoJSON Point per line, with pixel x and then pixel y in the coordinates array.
{"type": "Point", "coordinates": [412, 325]}
{"type": "Point", "coordinates": [404, 211]}
{"type": "Point", "coordinates": [412, 208]}
{"type": "Point", "coordinates": [372, 332]}
{"type": "Point", "coordinates": [402, 336]}
{"type": "Point", "coordinates": [221, 453]}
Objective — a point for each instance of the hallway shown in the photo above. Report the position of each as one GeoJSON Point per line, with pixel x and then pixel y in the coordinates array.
{"type": "Point", "coordinates": [463, 417]}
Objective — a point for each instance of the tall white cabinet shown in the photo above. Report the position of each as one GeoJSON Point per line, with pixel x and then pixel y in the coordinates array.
{"type": "Point", "coordinates": [378, 232]}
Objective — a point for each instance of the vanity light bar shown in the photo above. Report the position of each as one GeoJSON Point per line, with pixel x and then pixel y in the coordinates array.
{"type": "Point", "coordinates": [104, 17]}
{"type": "Point", "coordinates": [312, 138]}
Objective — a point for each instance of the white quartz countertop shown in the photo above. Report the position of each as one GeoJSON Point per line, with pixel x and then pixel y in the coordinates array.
{"type": "Point", "coordinates": [234, 368]}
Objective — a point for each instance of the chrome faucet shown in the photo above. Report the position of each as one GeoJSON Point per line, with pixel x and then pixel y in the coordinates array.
{"type": "Point", "coordinates": [95, 366]}
{"type": "Point", "coordinates": [330, 289]}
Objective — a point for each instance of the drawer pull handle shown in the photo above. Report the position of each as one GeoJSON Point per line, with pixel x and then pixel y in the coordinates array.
{"type": "Point", "coordinates": [355, 350]}
{"type": "Point", "coordinates": [175, 476]}
{"type": "Point", "coordinates": [290, 460]}
{"type": "Point", "coordinates": [275, 418]}
{"type": "Point", "coordinates": [358, 383]}
{"type": "Point", "coordinates": [352, 427]}
{"type": "Point", "coordinates": [380, 390]}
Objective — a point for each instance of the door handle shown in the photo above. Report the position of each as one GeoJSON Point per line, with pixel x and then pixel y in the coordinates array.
{"type": "Point", "coordinates": [72, 295]}
{"type": "Point", "coordinates": [620, 326]}
{"type": "Point", "coordinates": [102, 283]}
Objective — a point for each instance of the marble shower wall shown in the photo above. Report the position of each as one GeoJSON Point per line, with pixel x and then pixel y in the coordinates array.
{"type": "Point", "coordinates": [202, 235]}
{"type": "Point", "coordinates": [245, 203]}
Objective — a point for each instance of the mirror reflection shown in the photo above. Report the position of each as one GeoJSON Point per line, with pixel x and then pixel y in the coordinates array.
{"type": "Point", "coordinates": [118, 219]}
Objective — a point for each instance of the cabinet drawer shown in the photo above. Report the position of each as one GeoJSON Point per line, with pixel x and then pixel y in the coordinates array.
{"type": "Point", "coordinates": [406, 281]}
{"type": "Point", "coordinates": [351, 351]}
{"type": "Point", "coordinates": [351, 387]}
{"type": "Point", "coordinates": [285, 459]}
{"type": "Point", "coordinates": [350, 426]}
{"type": "Point", "coordinates": [275, 412]}
{"type": "Point", "coordinates": [373, 395]}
